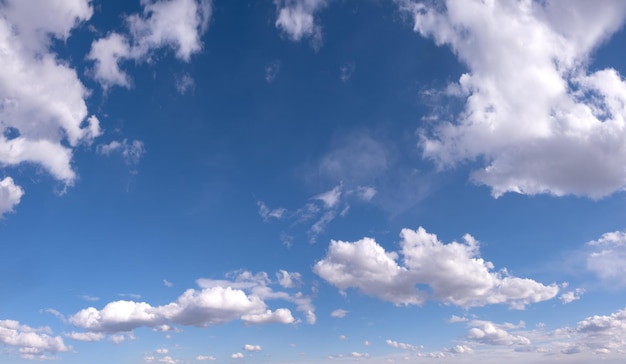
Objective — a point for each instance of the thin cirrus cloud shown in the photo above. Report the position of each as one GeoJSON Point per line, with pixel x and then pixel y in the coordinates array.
{"type": "Point", "coordinates": [538, 117]}
{"type": "Point", "coordinates": [454, 273]}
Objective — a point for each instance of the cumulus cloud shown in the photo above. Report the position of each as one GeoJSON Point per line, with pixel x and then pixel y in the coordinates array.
{"type": "Point", "coordinates": [10, 195]}
{"type": "Point", "coordinates": [399, 345]}
{"type": "Point", "coordinates": [85, 336]}
{"type": "Point", "coordinates": [31, 342]}
{"type": "Point", "coordinates": [237, 356]}
{"type": "Point", "coordinates": [571, 296]}
{"type": "Point", "coordinates": [252, 348]}
{"type": "Point", "coordinates": [535, 114]}
{"type": "Point", "coordinates": [454, 273]}
{"type": "Point", "coordinates": [486, 332]}
{"type": "Point", "coordinates": [43, 115]}
{"type": "Point", "coordinates": [289, 279]}
{"type": "Point", "coordinates": [607, 256]}
{"type": "Point", "coordinates": [296, 18]}
{"type": "Point", "coordinates": [217, 302]}
{"type": "Point", "coordinates": [175, 24]}
{"type": "Point", "coordinates": [205, 358]}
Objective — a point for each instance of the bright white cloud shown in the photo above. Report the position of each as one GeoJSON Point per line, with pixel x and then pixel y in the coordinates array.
{"type": "Point", "coordinates": [10, 195]}
{"type": "Point", "coordinates": [534, 112]}
{"type": "Point", "coordinates": [454, 273]}
{"type": "Point", "coordinates": [252, 348]}
{"type": "Point", "coordinates": [330, 198]}
{"type": "Point", "coordinates": [217, 302]}
{"type": "Point", "coordinates": [488, 333]}
{"type": "Point", "coordinates": [43, 115]}
{"type": "Point", "coordinates": [607, 257]}
{"type": "Point", "coordinates": [339, 313]}
{"type": "Point", "coordinates": [175, 24]}
{"type": "Point", "coordinates": [296, 18]}
{"type": "Point", "coordinates": [237, 356]}
{"type": "Point", "coordinates": [205, 358]}
{"type": "Point", "coordinates": [289, 279]}
{"type": "Point", "coordinates": [455, 318]}
{"type": "Point", "coordinates": [85, 336]}
{"type": "Point", "coordinates": [31, 342]}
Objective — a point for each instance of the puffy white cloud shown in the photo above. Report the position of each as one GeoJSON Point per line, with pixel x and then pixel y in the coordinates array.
{"type": "Point", "coordinates": [603, 333]}
{"type": "Point", "coordinates": [237, 356]}
{"type": "Point", "coordinates": [486, 332]}
{"type": "Point", "coordinates": [31, 342]}
{"type": "Point", "coordinates": [249, 347]}
{"type": "Point", "coordinates": [607, 257]}
{"type": "Point", "coordinates": [356, 354]}
{"type": "Point", "coordinates": [280, 316]}
{"type": "Point", "coordinates": [571, 296]}
{"type": "Point", "coordinates": [454, 273]}
{"type": "Point", "coordinates": [217, 302]}
{"type": "Point", "coordinates": [10, 195]}
{"type": "Point", "coordinates": [339, 313]}
{"type": "Point", "coordinates": [455, 318]}
{"type": "Point", "coordinates": [289, 279]}
{"type": "Point", "coordinates": [399, 345]}
{"type": "Point", "coordinates": [297, 19]}
{"type": "Point", "coordinates": [541, 121]}
{"type": "Point", "coordinates": [42, 109]}
{"type": "Point", "coordinates": [177, 24]}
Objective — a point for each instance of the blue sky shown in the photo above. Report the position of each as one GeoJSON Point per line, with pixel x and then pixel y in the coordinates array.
{"type": "Point", "coordinates": [312, 181]}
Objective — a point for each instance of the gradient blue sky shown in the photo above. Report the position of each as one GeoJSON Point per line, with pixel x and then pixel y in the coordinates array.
{"type": "Point", "coordinates": [312, 181]}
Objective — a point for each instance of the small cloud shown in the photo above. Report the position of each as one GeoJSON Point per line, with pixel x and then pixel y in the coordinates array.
{"type": "Point", "coordinates": [366, 193]}
{"type": "Point", "coordinates": [571, 296]}
{"type": "Point", "coordinates": [346, 71]}
{"type": "Point", "coordinates": [90, 298]}
{"type": "Point", "coordinates": [271, 71]}
{"type": "Point", "coordinates": [289, 280]}
{"type": "Point", "coordinates": [184, 83]}
{"type": "Point", "coordinates": [252, 348]}
{"type": "Point", "coordinates": [268, 214]}
{"type": "Point", "coordinates": [131, 295]}
{"type": "Point", "coordinates": [330, 198]}
{"type": "Point", "coordinates": [132, 152]}
{"type": "Point", "coordinates": [162, 351]}
{"type": "Point", "coordinates": [237, 356]}
{"type": "Point", "coordinates": [366, 343]}
{"type": "Point", "coordinates": [168, 283]}
{"type": "Point", "coordinates": [343, 337]}
{"type": "Point", "coordinates": [339, 313]}
{"type": "Point", "coordinates": [355, 354]}
{"type": "Point", "coordinates": [455, 318]}
{"type": "Point", "coordinates": [399, 345]}
{"type": "Point", "coordinates": [205, 358]}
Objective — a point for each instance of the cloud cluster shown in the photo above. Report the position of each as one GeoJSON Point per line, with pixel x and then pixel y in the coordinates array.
{"type": "Point", "coordinates": [535, 114]}
{"type": "Point", "coordinates": [297, 19]}
{"type": "Point", "coordinates": [175, 24]}
{"type": "Point", "coordinates": [607, 257]}
{"type": "Point", "coordinates": [454, 273]}
{"type": "Point", "coordinates": [32, 343]}
{"type": "Point", "coordinates": [43, 115]}
{"type": "Point", "coordinates": [10, 195]}
{"type": "Point", "coordinates": [486, 332]}
{"type": "Point", "coordinates": [216, 302]}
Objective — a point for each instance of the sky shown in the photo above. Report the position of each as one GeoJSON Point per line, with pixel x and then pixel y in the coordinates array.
{"type": "Point", "coordinates": [312, 181]}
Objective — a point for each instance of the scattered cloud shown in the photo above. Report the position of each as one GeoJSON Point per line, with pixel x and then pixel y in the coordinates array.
{"type": "Point", "coordinates": [267, 214]}
{"type": "Point", "coordinates": [455, 318]}
{"type": "Point", "coordinates": [346, 71]}
{"type": "Point", "coordinates": [237, 356]}
{"type": "Point", "coordinates": [85, 336]}
{"type": "Point", "coordinates": [167, 283]}
{"type": "Point", "coordinates": [205, 358]}
{"type": "Point", "coordinates": [535, 113]}
{"type": "Point", "coordinates": [175, 24]}
{"type": "Point", "coordinates": [486, 332]}
{"type": "Point", "coordinates": [399, 345]}
{"type": "Point", "coordinates": [90, 298]}
{"type": "Point", "coordinates": [184, 83]}
{"type": "Point", "coordinates": [296, 18]}
{"type": "Point", "coordinates": [454, 273]}
{"type": "Point", "coordinates": [356, 354]}
{"type": "Point", "coordinates": [252, 348]}
{"type": "Point", "coordinates": [571, 296]}
{"type": "Point", "coordinates": [339, 313]}
{"type": "Point", "coordinates": [132, 152]}
{"type": "Point", "coordinates": [32, 343]}
{"type": "Point", "coordinates": [289, 279]}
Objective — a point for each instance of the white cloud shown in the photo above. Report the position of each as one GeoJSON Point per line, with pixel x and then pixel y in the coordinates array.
{"type": "Point", "coordinates": [571, 296]}
{"type": "Point", "coordinates": [42, 109]}
{"type": "Point", "coordinates": [184, 83]}
{"type": "Point", "coordinates": [289, 279]}
{"type": "Point", "coordinates": [175, 24]}
{"type": "Point", "coordinates": [10, 195]}
{"type": "Point", "coordinates": [162, 351]}
{"type": "Point", "coordinates": [85, 336]}
{"type": "Point", "coordinates": [132, 152]}
{"type": "Point", "coordinates": [488, 333]}
{"type": "Point", "coordinates": [89, 298]}
{"type": "Point", "coordinates": [607, 257]}
{"type": "Point", "coordinates": [205, 358]}
{"type": "Point", "coordinates": [541, 121]}
{"type": "Point", "coordinates": [237, 356]}
{"type": "Point", "coordinates": [356, 354]}
{"type": "Point", "coordinates": [297, 19]}
{"type": "Point", "coordinates": [454, 273]}
{"type": "Point", "coordinates": [366, 193]}
{"type": "Point", "coordinates": [399, 345]}
{"type": "Point", "coordinates": [346, 71]}
{"type": "Point", "coordinates": [330, 198]}
{"type": "Point", "coordinates": [167, 283]}
{"type": "Point", "coordinates": [339, 313]}
{"type": "Point", "coordinates": [31, 342]}
{"type": "Point", "coordinates": [252, 348]}
{"type": "Point", "coordinates": [455, 318]}
{"type": "Point", "coordinates": [271, 71]}
{"type": "Point", "coordinates": [218, 301]}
